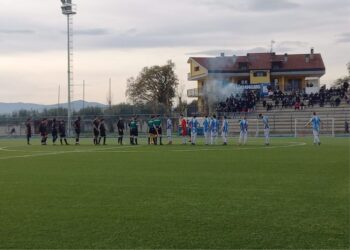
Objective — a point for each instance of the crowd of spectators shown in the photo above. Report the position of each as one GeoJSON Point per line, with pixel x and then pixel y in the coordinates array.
{"type": "Point", "coordinates": [239, 103]}
{"type": "Point", "coordinates": [279, 100]}
{"type": "Point", "coordinates": [301, 100]}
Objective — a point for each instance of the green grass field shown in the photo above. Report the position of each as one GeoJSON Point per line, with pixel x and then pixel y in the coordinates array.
{"type": "Point", "coordinates": [289, 195]}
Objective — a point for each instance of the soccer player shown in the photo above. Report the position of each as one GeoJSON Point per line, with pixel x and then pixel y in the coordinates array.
{"type": "Point", "coordinates": [169, 129]}
{"type": "Point", "coordinates": [315, 122]}
{"type": "Point", "coordinates": [133, 131]}
{"type": "Point", "coordinates": [54, 131]}
{"type": "Point", "coordinates": [28, 130]}
{"type": "Point", "coordinates": [121, 127]}
{"type": "Point", "coordinates": [102, 129]}
{"type": "Point", "coordinates": [206, 124]}
{"type": "Point", "coordinates": [158, 124]}
{"type": "Point", "coordinates": [43, 131]}
{"type": "Point", "coordinates": [243, 126]}
{"type": "Point", "coordinates": [214, 126]}
{"type": "Point", "coordinates": [224, 130]}
{"type": "Point", "coordinates": [62, 132]}
{"type": "Point", "coordinates": [194, 128]}
{"type": "Point", "coordinates": [77, 129]}
{"type": "Point", "coordinates": [96, 131]}
{"type": "Point", "coordinates": [265, 120]}
{"type": "Point", "coordinates": [151, 131]}
{"type": "Point", "coordinates": [183, 124]}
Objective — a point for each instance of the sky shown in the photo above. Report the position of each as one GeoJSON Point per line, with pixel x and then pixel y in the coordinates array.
{"type": "Point", "coordinates": [117, 38]}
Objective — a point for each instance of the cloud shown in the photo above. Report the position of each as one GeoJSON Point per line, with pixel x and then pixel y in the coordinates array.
{"type": "Point", "coordinates": [279, 47]}
{"type": "Point", "coordinates": [290, 46]}
{"type": "Point", "coordinates": [252, 5]}
{"type": "Point", "coordinates": [16, 31]}
{"type": "Point", "coordinates": [91, 32]}
{"type": "Point", "coordinates": [344, 38]}
{"type": "Point", "coordinates": [271, 5]}
{"type": "Point", "coordinates": [228, 52]}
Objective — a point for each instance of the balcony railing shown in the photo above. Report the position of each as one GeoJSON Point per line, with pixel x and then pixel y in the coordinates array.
{"type": "Point", "coordinates": [193, 93]}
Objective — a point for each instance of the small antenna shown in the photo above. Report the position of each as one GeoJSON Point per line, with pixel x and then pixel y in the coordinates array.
{"type": "Point", "coordinates": [272, 43]}
{"type": "Point", "coordinates": [58, 98]}
{"type": "Point", "coordinates": [83, 94]}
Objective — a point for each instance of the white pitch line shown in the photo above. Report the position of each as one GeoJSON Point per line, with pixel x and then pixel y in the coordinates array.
{"type": "Point", "coordinates": [59, 152]}
{"type": "Point", "coordinates": [9, 150]}
{"type": "Point", "coordinates": [294, 144]}
{"type": "Point", "coordinates": [107, 150]}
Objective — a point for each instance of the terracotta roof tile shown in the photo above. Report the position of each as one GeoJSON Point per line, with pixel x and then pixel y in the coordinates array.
{"type": "Point", "coordinates": [260, 61]}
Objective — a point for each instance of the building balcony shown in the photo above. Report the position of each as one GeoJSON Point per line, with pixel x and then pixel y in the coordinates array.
{"type": "Point", "coordinates": [194, 93]}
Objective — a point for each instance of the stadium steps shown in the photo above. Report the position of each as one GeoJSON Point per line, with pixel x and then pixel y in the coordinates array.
{"type": "Point", "coordinates": [282, 121]}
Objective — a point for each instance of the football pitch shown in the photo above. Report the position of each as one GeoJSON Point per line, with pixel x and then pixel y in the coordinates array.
{"type": "Point", "coordinates": [288, 195]}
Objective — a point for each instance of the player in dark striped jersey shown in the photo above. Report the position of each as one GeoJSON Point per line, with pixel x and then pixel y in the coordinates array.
{"type": "Point", "coordinates": [62, 132]}
{"type": "Point", "coordinates": [102, 129]}
{"type": "Point", "coordinates": [43, 131]}
{"type": "Point", "coordinates": [121, 127]}
{"type": "Point", "coordinates": [96, 131]}
{"type": "Point", "coordinates": [54, 131]}
{"type": "Point", "coordinates": [77, 129]}
{"type": "Point", "coordinates": [28, 130]}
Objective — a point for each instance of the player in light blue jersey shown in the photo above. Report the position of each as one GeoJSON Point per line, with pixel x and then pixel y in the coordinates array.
{"type": "Point", "coordinates": [169, 129]}
{"type": "Point", "coordinates": [206, 124]}
{"type": "Point", "coordinates": [243, 127]}
{"type": "Point", "coordinates": [194, 129]}
{"type": "Point", "coordinates": [265, 120]}
{"type": "Point", "coordinates": [315, 122]}
{"type": "Point", "coordinates": [224, 130]}
{"type": "Point", "coordinates": [214, 127]}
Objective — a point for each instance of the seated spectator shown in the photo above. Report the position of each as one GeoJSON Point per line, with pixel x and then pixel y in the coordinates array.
{"type": "Point", "coordinates": [297, 106]}
{"type": "Point", "coordinates": [277, 103]}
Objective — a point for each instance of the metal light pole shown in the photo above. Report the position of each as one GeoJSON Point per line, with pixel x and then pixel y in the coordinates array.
{"type": "Point", "coordinates": [69, 9]}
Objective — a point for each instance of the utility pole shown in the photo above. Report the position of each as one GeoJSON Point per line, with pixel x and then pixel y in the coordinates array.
{"type": "Point", "coordinates": [110, 94]}
{"type": "Point", "coordinates": [83, 94]}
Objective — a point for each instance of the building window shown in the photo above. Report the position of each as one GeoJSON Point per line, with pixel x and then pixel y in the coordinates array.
{"type": "Point", "coordinates": [243, 81]}
{"type": "Point", "coordinates": [243, 66]}
{"type": "Point", "coordinates": [293, 85]}
{"type": "Point", "coordinates": [276, 65]}
{"type": "Point", "coordinates": [196, 68]}
{"type": "Point", "coordinates": [260, 73]}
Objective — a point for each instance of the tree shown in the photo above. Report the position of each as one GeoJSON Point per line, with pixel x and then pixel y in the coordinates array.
{"type": "Point", "coordinates": [346, 79]}
{"type": "Point", "coordinates": [154, 85]}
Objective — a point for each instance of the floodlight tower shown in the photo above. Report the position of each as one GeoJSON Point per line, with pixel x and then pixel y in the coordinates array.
{"type": "Point", "coordinates": [69, 9]}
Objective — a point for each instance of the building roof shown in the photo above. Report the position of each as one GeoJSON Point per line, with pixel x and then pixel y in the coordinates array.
{"type": "Point", "coordinates": [261, 61]}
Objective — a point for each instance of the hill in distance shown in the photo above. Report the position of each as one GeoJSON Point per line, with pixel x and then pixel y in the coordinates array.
{"type": "Point", "coordinates": [7, 108]}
